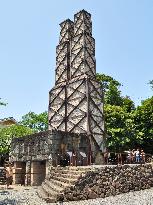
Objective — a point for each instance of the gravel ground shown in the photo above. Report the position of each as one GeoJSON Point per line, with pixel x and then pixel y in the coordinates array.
{"type": "Point", "coordinates": [27, 196]}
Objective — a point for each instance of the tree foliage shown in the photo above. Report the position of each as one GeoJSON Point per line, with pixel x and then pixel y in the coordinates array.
{"type": "Point", "coordinates": [127, 104]}
{"type": "Point", "coordinates": [151, 84]}
{"type": "Point", "coordinates": [2, 103]}
{"type": "Point", "coordinates": [118, 114]}
{"type": "Point", "coordinates": [119, 127]}
{"type": "Point", "coordinates": [126, 125]}
{"type": "Point", "coordinates": [37, 122]}
{"type": "Point", "coordinates": [112, 94]}
{"type": "Point", "coordinates": [143, 121]}
{"type": "Point", "coordinates": [30, 124]}
{"type": "Point", "coordinates": [7, 133]}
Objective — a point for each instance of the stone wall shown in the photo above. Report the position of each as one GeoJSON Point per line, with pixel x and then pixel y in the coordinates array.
{"type": "Point", "coordinates": [35, 154]}
{"type": "Point", "coordinates": [47, 146]}
{"type": "Point", "coordinates": [110, 180]}
{"type": "Point", "coordinates": [37, 146]}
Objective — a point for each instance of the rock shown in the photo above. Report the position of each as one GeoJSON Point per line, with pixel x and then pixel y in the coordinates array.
{"type": "Point", "coordinates": [107, 194]}
{"type": "Point", "coordinates": [136, 188]}
{"type": "Point", "coordinates": [60, 197]}
{"type": "Point", "coordinates": [92, 195]}
{"type": "Point", "coordinates": [69, 197]}
{"type": "Point", "coordinates": [117, 185]}
{"type": "Point", "coordinates": [112, 181]}
{"type": "Point", "coordinates": [97, 190]}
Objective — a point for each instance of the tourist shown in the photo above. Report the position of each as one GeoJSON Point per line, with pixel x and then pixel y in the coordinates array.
{"type": "Point", "coordinates": [133, 156]}
{"type": "Point", "coordinates": [106, 156]}
{"type": "Point", "coordinates": [129, 156]}
{"type": "Point", "coordinates": [9, 174]}
{"type": "Point", "coordinates": [137, 156]}
{"type": "Point", "coordinates": [119, 158]}
{"type": "Point", "coordinates": [142, 156]}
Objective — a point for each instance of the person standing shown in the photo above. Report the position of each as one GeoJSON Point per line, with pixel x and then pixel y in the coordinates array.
{"type": "Point", "coordinates": [133, 156]}
{"type": "Point", "coordinates": [9, 175]}
{"type": "Point", "coordinates": [137, 156]}
{"type": "Point", "coordinates": [119, 158]}
{"type": "Point", "coordinates": [106, 156]}
{"type": "Point", "coordinates": [129, 156]}
{"type": "Point", "coordinates": [142, 156]}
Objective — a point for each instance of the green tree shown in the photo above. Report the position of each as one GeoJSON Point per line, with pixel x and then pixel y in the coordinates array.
{"type": "Point", "coordinates": [2, 103]}
{"type": "Point", "coordinates": [128, 104]}
{"type": "Point", "coordinates": [118, 115]}
{"type": "Point", "coordinates": [143, 121]}
{"type": "Point", "coordinates": [112, 94]}
{"type": "Point", "coordinates": [37, 122]}
{"type": "Point", "coordinates": [151, 84]}
{"type": "Point", "coordinates": [120, 128]}
{"type": "Point", "coordinates": [7, 133]}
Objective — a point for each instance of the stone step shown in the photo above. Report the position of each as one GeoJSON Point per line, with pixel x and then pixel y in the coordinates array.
{"type": "Point", "coordinates": [50, 192]}
{"type": "Point", "coordinates": [66, 171]}
{"type": "Point", "coordinates": [81, 168]}
{"type": "Point", "coordinates": [54, 187]}
{"type": "Point", "coordinates": [65, 175]}
{"type": "Point", "coordinates": [43, 195]}
{"type": "Point", "coordinates": [59, 179]}
{"type": "Point", "coordinates": [65, 179]}
{"type": "Point", "coordinates": [59, 183]}
{"type": "Point", "coordinates": [77, 168]}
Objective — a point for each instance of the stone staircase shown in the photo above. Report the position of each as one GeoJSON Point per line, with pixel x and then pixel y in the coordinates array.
{"type": "Point", "coordinates": [58, 180]}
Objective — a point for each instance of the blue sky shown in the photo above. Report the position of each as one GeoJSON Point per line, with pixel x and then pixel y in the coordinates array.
{"type": "Point", "coordinates": [29, 32]}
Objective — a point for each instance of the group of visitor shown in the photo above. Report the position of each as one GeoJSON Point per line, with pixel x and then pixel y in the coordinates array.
{"type": "Point", "coordinates": [136, 156]}
{"type": "Point", "coordinates": [130, 156]}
